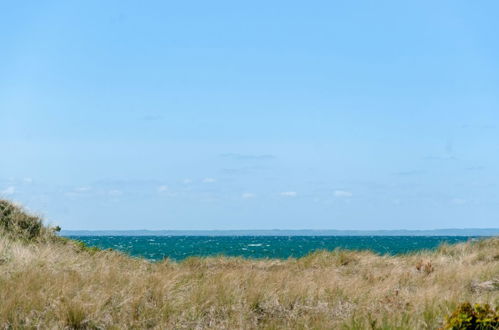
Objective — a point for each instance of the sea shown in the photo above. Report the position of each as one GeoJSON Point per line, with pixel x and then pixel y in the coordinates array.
{"type": "Point", "coordinates": [177, 248]}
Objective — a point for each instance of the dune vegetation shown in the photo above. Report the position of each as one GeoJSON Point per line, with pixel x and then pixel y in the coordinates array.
{"type": "Point", "coordinates": [50, 282]}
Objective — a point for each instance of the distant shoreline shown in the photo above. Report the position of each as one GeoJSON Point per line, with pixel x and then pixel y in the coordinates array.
{"type": "Point", "coordinates": [277, 232]}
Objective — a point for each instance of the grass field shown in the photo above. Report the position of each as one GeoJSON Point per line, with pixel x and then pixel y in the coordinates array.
{"type": "Point", "coordinates": [49, 282]}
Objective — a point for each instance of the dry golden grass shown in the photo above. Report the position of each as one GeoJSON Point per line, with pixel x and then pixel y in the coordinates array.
{"type": "Point", "coordinates": [58, 285]}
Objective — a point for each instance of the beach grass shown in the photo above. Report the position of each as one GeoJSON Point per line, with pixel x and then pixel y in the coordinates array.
{"type": "Point", "coordinates": [50, 282]}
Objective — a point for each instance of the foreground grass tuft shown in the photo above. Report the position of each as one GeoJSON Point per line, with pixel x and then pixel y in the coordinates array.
{"type": "Point", "coordinates": [479, 317]}
{"type": "Point", "coordinates": [47, 282]}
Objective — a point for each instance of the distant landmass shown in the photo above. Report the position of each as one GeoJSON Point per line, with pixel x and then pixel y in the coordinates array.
{"type": "Point", "coordinates": [278, 232]}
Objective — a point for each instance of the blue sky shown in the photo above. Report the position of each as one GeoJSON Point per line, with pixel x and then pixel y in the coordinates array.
{"type": "Point", "coordinates": [255, 115]}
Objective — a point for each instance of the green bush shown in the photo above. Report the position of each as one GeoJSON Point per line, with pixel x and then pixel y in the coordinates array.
{"type": "Point", "coordinates": [479, 316]}
{"type": "Point", "coordinates": [83, 247]}
{"type": "Point", "coordinates": [17, 223]}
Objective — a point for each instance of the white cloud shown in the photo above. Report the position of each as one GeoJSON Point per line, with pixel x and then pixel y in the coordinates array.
{"type": "Point", "coordinates": [248, 195]}
{"type": "Point", "coordinates": [162, 189]}
{"type": "Point", "coordinates": [209, 180]}
{"type": "Point", "coordinates": [115, 192]}
{"type": "Point", "coordinates": [289, 193]}
{"type": "Point", "coordinates": [78, 191]}
{"type": "Point", "coordinates": [8, 191]}
{"type": "Point", "coordinates": [342, 193]}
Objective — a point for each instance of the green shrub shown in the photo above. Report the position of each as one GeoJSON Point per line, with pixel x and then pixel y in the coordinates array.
{"type": "Point", "coordinates": [83, 247]}
{"type": "Point", "coordinates": [17, 223]}
{"type": "Point", "coordinates": [479, 316]}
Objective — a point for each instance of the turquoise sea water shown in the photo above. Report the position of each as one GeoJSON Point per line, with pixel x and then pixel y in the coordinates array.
{"type": "Point", "coordinates": [282, 247]}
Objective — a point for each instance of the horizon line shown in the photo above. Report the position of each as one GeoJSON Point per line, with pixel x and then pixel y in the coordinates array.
{"type": "Point", "coordinates": [286, 232]}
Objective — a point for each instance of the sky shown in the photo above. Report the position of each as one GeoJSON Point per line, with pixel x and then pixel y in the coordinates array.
{"type": "Point", "coordinates": [251, 115]}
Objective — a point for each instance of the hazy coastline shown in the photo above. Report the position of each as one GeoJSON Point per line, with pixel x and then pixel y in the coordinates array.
{"type": "Point", "coordinates": [279, 232]}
